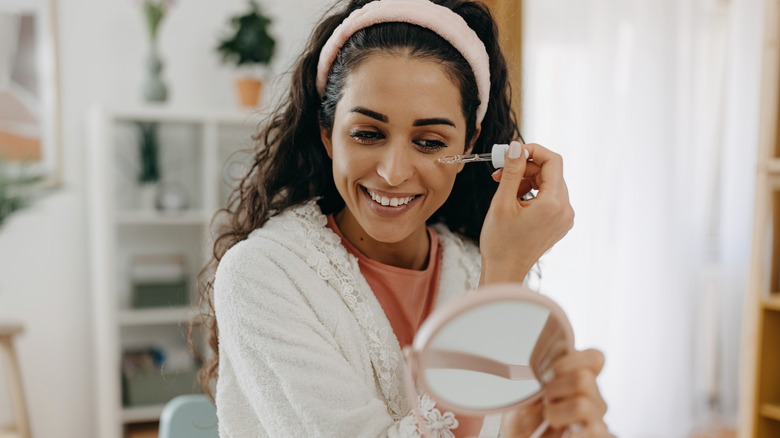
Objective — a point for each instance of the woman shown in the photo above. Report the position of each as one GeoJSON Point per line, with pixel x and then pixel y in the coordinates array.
{"type": "Point", "coordinates": [327, 267]}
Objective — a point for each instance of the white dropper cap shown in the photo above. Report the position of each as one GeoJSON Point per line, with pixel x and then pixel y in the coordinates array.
{"type": "Point", "coordinates": [499, 154]}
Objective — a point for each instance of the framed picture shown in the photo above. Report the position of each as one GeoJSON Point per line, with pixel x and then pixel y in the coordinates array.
{"type": "Point", "coordinates": [29, 92]}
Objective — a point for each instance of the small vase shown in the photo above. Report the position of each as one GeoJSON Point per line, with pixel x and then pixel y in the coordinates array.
{"type": "Point", "coordinates": [154, 88]}
{"type": "Point", "coordinates": [147, 196]}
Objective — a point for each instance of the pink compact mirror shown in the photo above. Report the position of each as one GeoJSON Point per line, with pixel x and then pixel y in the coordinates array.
{"type": "Point", "coordinates": [486, 352]}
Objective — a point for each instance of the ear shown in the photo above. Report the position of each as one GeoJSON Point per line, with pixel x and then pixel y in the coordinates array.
{"type": "Point", "coordinates": [474, 140]}
{"type": "Point", "coordinates": [325, 135]}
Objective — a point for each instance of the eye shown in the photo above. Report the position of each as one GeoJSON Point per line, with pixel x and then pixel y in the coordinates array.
{"type": "Point", "coordinates": [366, 137]}
{"type": "Point", "coordinates": [430, 145]}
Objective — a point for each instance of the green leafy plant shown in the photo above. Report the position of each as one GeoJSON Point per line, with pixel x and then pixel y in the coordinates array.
{"type": "Point", "coordinates": [18, 189]}
{"type": "Point", "coordinates": [249, 41]}
{"type": "Point", "coordinates": [154, 11]}
{"type": "Point", "coordinates": [149, 150]}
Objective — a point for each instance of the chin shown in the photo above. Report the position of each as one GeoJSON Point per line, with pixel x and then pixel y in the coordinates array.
{"type": "Point", "coordinates": [388, 233]}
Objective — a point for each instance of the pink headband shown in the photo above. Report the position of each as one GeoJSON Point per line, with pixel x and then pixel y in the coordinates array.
{"type": "Point", "coordinates": [446, 23]}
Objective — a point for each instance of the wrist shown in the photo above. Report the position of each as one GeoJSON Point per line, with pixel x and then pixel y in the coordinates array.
{"type": "Point", "coordinates": [502, 272]}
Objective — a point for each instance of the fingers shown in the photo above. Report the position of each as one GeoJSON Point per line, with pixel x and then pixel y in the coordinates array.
{"type": "Point", "coordinates": [524, 419]}
{"type": "Point", "coordinates": [531, 171]}
{"type": "Point", "coordinates": [571, 394]}
{"type": "Point", "coordinates": [526, 185]}
{"type": "Point", "coordinates": [512, 173]}
{"type": "Point", "coordinates": [550, 175]}
{"type": "Point", "coordinates": [546, 170]}
{"type": "Point", "coordinates": [587, 359]}
{"type": "Point", "coordinates": [580, 382]}
{"type": "Point", "coordinates": [562, 414]}
{"type": "Point", "coordinates": [578, 385]}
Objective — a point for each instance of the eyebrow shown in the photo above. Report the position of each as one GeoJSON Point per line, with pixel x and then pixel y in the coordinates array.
{"type": "Point", "coordinates": [433, 121]}
{"type": "Point", "coordinates": [369, 113]}
{"type": "Point", "coordinates": [418, 122]}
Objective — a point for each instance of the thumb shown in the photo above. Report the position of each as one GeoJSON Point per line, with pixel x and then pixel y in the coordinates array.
{"type": "Point", "coordinates": [512, 174]}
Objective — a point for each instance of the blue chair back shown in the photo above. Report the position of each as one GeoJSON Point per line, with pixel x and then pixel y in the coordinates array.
{"type": "Point", "coordinates": [189, 416]}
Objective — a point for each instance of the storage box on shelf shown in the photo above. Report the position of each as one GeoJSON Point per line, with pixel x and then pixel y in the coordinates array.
{"type": "Point", "coordinates": [145, 257]}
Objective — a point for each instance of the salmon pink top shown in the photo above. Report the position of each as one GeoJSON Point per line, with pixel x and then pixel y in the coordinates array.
{"type": "Point", "coordinates": [407, 296]}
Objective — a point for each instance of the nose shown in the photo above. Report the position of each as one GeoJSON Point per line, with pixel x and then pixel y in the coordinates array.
{"type": "Point", "coordinates": [396, 163]}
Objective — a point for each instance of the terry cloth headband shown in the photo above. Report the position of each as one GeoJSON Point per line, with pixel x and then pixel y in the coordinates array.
{"type": "Point", "coordinates": [442, 20]}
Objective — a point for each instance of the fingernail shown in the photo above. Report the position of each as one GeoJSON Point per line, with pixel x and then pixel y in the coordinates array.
{"type": "Point", "coordinates": [548, 376]}
{"type": "Point", "coordinates": [496, 172]}
{"type": "Point", "coordinates": [515, 150]}
{"type": "Point", "coordinates": [526, 153]}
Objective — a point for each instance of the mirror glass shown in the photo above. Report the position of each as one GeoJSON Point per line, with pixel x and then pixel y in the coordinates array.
{"type": "Point", "coordinates": [491, 356]}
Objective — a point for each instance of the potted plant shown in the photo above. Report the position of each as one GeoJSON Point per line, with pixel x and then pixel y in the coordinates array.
{"type": "Point", "coordinates": [149, 174]}
{"type": "Point", "coordinates": [250, 48]}
{"type": "Point", "coordinates": [17, 189]}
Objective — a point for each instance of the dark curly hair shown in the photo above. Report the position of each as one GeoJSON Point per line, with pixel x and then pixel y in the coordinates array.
{"type": "Point", "coordinates": [290, 164]}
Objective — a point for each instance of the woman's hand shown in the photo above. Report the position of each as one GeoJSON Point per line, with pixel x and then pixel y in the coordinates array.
{"type": "Point", "coordinates": [571, 401]}
{"type": "Point", "coordinates": [517, 233]}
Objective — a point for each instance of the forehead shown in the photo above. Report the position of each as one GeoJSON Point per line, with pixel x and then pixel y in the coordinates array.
{"type": "Point", "coordinates": [402, 84]}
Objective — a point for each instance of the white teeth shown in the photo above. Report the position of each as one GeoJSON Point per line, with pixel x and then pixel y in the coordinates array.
{"type": "Point", "coordinates": [393, 202]}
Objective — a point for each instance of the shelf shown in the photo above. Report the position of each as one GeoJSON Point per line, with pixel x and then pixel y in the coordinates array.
{"type": "Point", "coordinates": [142, 414]}
{"type": "Point", "coordinates": [194, 144]}
{"type": "Point", "coordinates": [185, 115]}
{"type": "Point", "coordinates": [168, 315]}
{"type": "Point", "coordinates": [129, 217]}
{"type": "Point", "coordinates": [772, 303]}
{"type": "Point", "coordinates": [770, 410]}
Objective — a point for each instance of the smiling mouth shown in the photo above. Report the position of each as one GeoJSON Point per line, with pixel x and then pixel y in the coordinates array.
{"type": "Point", "coordinates": [388, 201]}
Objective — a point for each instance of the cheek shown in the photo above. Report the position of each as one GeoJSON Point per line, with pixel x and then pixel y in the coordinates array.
{"type": "Point", "coordinates": [347, 163]}
{"type": "Point", "coordinates": [439, 175]}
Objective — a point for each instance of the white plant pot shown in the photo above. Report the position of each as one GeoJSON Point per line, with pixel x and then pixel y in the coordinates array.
{"type": "Point", "coordinates": [147, 196]}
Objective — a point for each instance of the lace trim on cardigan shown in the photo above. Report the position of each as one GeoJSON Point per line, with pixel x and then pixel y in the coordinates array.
{"type": "Point", "coordinates": [439, 425]}
{"type": "Point", "coordinates": [335, 267]}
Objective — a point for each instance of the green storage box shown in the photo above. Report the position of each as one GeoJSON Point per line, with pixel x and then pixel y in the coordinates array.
{"type": "Point", "coordinates": [160, 295]}
{"type": "Point", "coordinates": [153, 387]}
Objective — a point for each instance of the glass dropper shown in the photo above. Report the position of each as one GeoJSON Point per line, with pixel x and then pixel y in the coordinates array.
{"type": "Point", "coordinates": [496, 156]}
{"type": "Point", "coordinates": [468, 158]}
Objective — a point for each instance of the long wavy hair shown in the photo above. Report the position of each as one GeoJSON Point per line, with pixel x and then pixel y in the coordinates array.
{"type": "Point", "coordinates": [290, 165]}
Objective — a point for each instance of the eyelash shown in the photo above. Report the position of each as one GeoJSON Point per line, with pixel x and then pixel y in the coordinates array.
{"type": "Point", "coordinates": [366, 137]}
{"type": "Point", "coordinates": [372, 137]}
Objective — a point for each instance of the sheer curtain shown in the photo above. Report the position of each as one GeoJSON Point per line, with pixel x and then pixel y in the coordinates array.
{"type": "Point", "coordinates": [653, 105]}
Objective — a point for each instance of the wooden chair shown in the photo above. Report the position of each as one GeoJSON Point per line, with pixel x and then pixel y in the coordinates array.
{"type": "Point", "coordinates": [21, 426]}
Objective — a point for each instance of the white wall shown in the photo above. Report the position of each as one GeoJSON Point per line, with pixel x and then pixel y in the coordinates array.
{"type": "Point", "coordinates": [43, 251]}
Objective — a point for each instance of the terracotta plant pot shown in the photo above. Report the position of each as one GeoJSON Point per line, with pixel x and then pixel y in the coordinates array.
{"type": "Point", "coordinates": [249, 91]}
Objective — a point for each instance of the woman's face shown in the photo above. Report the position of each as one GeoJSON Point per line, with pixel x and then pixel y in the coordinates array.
{"type": "Point", "coordinates": [397, 116]}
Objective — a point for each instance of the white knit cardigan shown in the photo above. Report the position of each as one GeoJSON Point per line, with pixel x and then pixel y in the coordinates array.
{"type": "Point", "coordinates": [305, 349]}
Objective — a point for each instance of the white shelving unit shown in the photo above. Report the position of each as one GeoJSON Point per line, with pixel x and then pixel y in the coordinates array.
{"type": "Point", "coordinates": [195, 153]}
